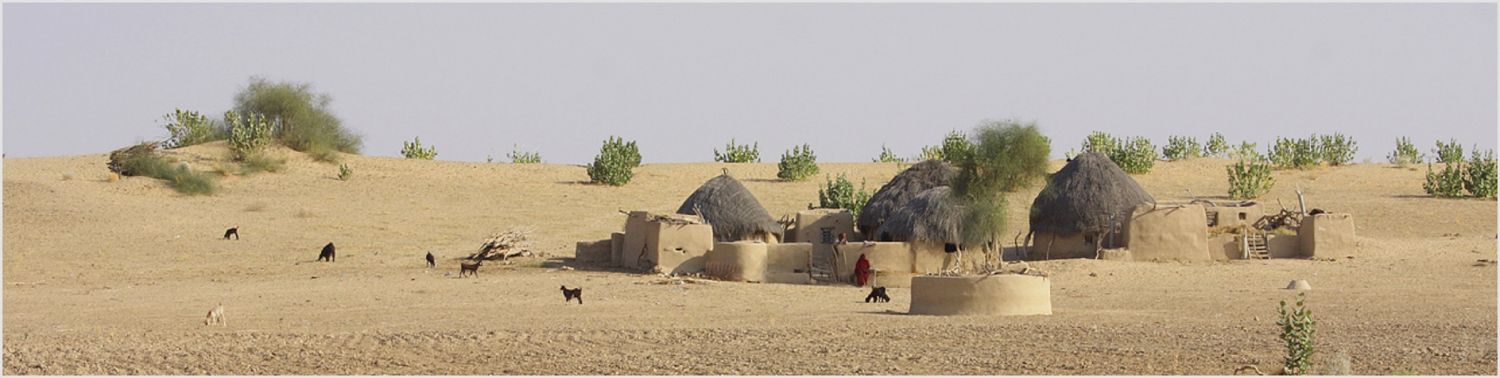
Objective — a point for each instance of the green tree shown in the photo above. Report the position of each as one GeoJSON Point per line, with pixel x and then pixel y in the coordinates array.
{"type": "Point", "coordinates": [1008, 156]}
{"type": "Point", "coordinates": [301, 117]}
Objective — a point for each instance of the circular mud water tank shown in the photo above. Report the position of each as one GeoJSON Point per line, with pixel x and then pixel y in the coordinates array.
{"type": "Point", "coordinates": [1003, 294]}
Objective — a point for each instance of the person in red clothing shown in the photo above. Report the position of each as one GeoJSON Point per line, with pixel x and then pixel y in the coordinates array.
{"type": "Point", "coordinates": [861, 270]}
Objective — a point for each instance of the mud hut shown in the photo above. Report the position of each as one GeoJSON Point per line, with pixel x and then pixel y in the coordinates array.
{"type": "Point", "coordinates": [932, 223]}
{"type": "Point", "coordinates": [1083, 209]}
{"type": "Point", "coordinates": [902, 188]}
{"type": "Point", "coordinates": [734, 213]}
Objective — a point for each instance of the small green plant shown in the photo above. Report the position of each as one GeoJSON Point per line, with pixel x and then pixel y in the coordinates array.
{"type": "Point", "coordinates": [1337, 149]}
{"type": "Point", "coordinates": [931, 153]}
{"type": "Point", "coordinates": [1100, 142]}
{"type": "Point", "coordinates": [1450, 152]}
{"type": "Point", "coordinates": [1448, 182]}
{"type": "Point", "coordinates": [840, 194]}
{"type": "Point", "coordinates": [886, 156]}
{"type": "Point", "coordinates": [1180, 148]}
{"type": "Point", "coordinates": [1216, 146]}
{"type": "Point", "coordinates": [1135, 155]}
{"type": "Point", "coordinates": [1249, 179]}
{"type": "Point", "coordinates": [1295, 153]}
{"type": "Point", "coordinates": [957, 147]}
{"type": "Point", "coordinates": [614, 164]}
{"type": "Point", "coordinates": [186, 128]}
{"type": "Point", "coordinates": [1246, 151]}
{"type": "Point", "coordinates": [1479, 178]}
{"type": "Point", "coordinates": [738, 153]}
{"type": "Point", "coordinates": [797, 164]}
{"type": "Point", "coordinates": [248, 134]}
{"type": "Point", "coordinates": [414, 150]}
{"type": "Point", "coordinates": [345, 172]}
{"type": "Point", "coordinates": [518, 157]}
{"type": "Point", "coordinates": [1298, 330]}
{"type": "Point", "coordinates": [1405, 154]}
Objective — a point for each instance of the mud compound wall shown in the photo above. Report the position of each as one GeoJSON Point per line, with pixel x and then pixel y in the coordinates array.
{"type": "Point", "coordinates": [1168, 233]}
{"type": "Point", "coordinates": [1049, 246]}
{"type": "Point", "coordinates": [1283, 246]}
{"type": "Point", "coordinates": [787, 263]}
{"type": "Point", "coordinates": [1004, 294]}
{"type": "Point", "coordinates": [737, 261]}
{"type": "Point", "coordinates": [1327, 235]}
{"type": "Point", "coordinates": [596, 251]}
{"type": "Point", "coordinates": [893, 260]}
{"type": "Point", "coordinates": [1224, 247]}
{"type": "Point", "coordinates": [678, 249]}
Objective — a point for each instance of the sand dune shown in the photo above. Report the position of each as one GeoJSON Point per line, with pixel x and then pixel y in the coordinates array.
{"type": "Point", "coordinates": [115, 277]}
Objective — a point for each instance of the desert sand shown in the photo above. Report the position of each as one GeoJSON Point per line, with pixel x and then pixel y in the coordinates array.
{"type": "Point", "coordinates": [115, 278]}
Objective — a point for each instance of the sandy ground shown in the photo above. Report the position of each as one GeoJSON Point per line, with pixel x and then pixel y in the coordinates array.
{"type": "Point", "coordinates": [115, 278]}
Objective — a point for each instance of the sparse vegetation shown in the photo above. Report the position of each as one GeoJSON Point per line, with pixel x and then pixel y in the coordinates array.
{"type": "Point", "coordinates": [955, 149]}
{"type": "Point", "coordinates": [1249, 179]}
{"type": "Point", "coordinates": [186, 128]}
{"type": "Point", "coordinates": [1337, 149]}
{"type": "Point", "coordinates": [248, 134]}
{"type": "Point", "coordinates": [302, 118]}
{"type": "Point", "coordinates": [840, 194]}
{"type": "Point", "coordinates": [1448, 182]}
{"type": "Point", "coordinates": [1246, 151]}
{"type": "Point", "coordinates": [1450, 152]}
{"type": "Point", "coordinates": [797, 164]}
{"type": "Point", "coordinates": [1479, 178]}
{"type": "Point", "coordinates": [1180, 148]}
{"type": "Point", "coordinates": [1135, 155]}
{"type": "Point", "coordinates": [886, 156]}
{"type": "Point", "coordinates": [1405, 154]}
{"type": "Point", "coordinates": [738, 153]}
{"type": "Point", "coordinates": [260, 162]}
{"type": "Point", "coordinates": [345, 173]}
{"type": "Point", "coordinates": [1217, 146]}
{"type": "Point", "coordinates": [614, 164]}
{"type": "Point", "coordinates": [142, 160]}
{"type": "Point", "coordinates": [414, 150]}
{"type": "Point", "coordinates": [518, 157]}
{"type": "Point", "coordinates": [1295, 153]}
{"type": "Point", "coordinates": [1009, 156]}
{"type": "Point", "coordinates": [1298, 330]}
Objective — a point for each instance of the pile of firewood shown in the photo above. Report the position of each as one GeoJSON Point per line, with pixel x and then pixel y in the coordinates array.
{"type": "Point", "coordinates": [505, 245]}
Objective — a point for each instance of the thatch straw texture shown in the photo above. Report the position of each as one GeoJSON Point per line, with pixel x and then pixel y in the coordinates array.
{"type": "Point", "coordinates": [1083, 195]}
{"type": "Point", "coordinates": [934, 215]}
{"type": "Point", "coordinates": [734, 213]}
{"type": "Point", "coordinates": [902, 188]}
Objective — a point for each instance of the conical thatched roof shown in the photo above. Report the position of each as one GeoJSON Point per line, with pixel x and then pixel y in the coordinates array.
{"type": "Point", "coordinates": [731, 209]}
{"type": "Point", "coordinates": [933, 215]}
{"type": "Point", "coordinates": [1083, 195]}
{"type": "Point", "coordinates": [906, 185]}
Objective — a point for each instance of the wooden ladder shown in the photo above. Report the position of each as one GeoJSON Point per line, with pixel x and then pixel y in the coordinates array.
{"type": "Point", "coordinates": [821, 268]}
{"type": "Point", "coordinates": [1255, 247]}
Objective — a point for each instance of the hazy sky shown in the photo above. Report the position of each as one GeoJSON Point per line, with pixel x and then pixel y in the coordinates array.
{"type": "Point", "coordinates": [475, 79]}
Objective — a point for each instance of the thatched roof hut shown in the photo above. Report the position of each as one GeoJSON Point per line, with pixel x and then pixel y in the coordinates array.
{"type": "Point", "coordinates": [902, 188]}
{"type": "Point", "coordinates": [934, 215]}
{"type": "Point", "coordinates": [734, 213]}
{"type": "Point", "coordinates": [1082, 196]}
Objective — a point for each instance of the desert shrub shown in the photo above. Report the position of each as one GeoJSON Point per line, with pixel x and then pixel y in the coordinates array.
{"type": "Point", "coordinates": [1405, 153]}
{"type": "Point", "coordinates": [957, 147]}
{"type": "Point", "coordinates": [345, 173]}
{"type": "Point", "coordinates": [125, 161]}
{"type": "Point", "coordinates": [1135, 155]}
{"type": "Point", "coordinates": [186, 128]}
{"type": "Point", "coordinates": [1448, 182]}
{"type": "Point", "coordinates": [1009, 156]}
{"type": "Point", "coordinates": [304, 122]}
{"type": "Point", "coordinates": [1246, 151]}
{"type": "Point", "coordinates": [840, 194]}
{"type": "Point", "coordinates": [738, 153]}
{"type": "Point", "coordinates": [1180, 148]}
{"type": "Point", "coordinates": [1298, 330]}
{"type": "Point", "coordinates": [519, 157]}
{"type": "Point", "coordinates": [1216, 146]}
{"type": "Point", "coordinates": [1479, 178]}
{"type": "Point", "coordinates": [414, 150]}
{"type": "Point", "coordinates": [1337, 149]}
{"type": "Point", "coordinates": [797, 164]}
{"type": "Point", "coordinates": [1295, 153]}
{"type": "Point", "coordinates": [886, 156]}
{"type": "Point", "coordinates": [190, 182]}
{"type": "Point", "coordinates": [248, 134]}
{"type": "Point", "coordinates": [260, 162]}
{"type": "Point", "coordinates": [1249, 179]}
{"type": "Point", "coordinates": [1100, 142]}
{"type": "Point", "coordinates": [614, 163]}
{"type": "Point", "coordinates": [931, 153]}
{"type": "Point", "coordinates": [1450, 152]}
{"type": "Point", "coordinates": [142, 160]}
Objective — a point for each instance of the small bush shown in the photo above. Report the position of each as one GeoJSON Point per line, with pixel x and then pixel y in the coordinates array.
{"type": "Point", "coordinates": [797, 164]}
{"type": "Point", "coordinates": [1249, 179]}
{"type": "Point", "coordinates": [931, 153]}
{"type": "Point", "coordinates": [1446, 183]}
{"type": "Point", "coordinates": [248, 134]}
{"type": "Point", "coordinates": [186, 128]}
{"type": "Point", "coordinates": [1135, 155]}
{"type": "Point", "coordinates": [886, 156]}
{"type": "Point", "coordinates": [1295, 153]}
{"type": "Point", "coordinates": [261, 163]}
{"type": "Point", "coordinates": [1100, 142]}
{"type": "Point", "coordinates": [345, 173]}
{"type": "Point", "coordinates": [1298, 330]}
{"type": "Point", "coordinates": [840, 194]}
{"type": "Point", "coordinates": [1216, 146]}
{"type": "Point", "coordinates": [518, 157]}
{"type": "Point", "coordinates": [957, 147]}
{"type": "Point", "coordinates": [1246, 151]}
{"type": "Point", "coordinates": [1337, 149]}
{"type": "Point", "coordinates": [414, 150]}
{"type": "Point", "coordinates": [1180, 148]}
{"type": "Point", "coordinates": [614, 163]}
{"type": "Point", "coordinates": [1450, 152]}
{"type": "Point", "coordinates": [142, 160]}
{"type": "Point", "coordinates": [1480, 178]}
{"type": "Point", "coordinates": [304, 122]}
{"type": "Point", "coordinates": [1406, 153]}
{"type": "Point", "coordinates": [738, 153]}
